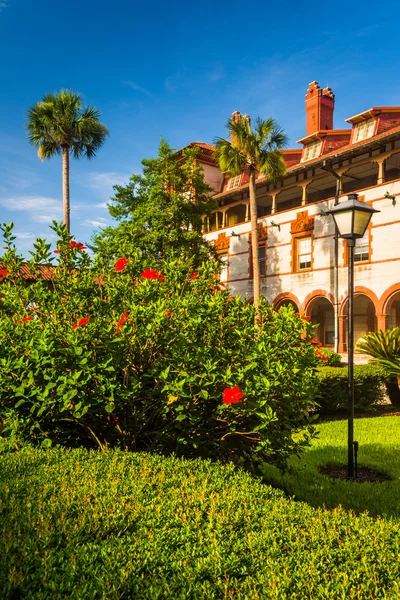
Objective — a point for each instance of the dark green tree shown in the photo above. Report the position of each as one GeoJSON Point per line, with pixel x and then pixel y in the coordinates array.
{"type": "Point", "coordinates": [161, 211]}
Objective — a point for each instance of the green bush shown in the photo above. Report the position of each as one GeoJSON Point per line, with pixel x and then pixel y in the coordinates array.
{"type": "Point", "coordinates": [139, 358]}
{"type": "Point", "coordinates": [84, 525]}
{"type": "Point", "coordinates": [334, 359]}
{"type": "Point", "coordinates": [332, 387]}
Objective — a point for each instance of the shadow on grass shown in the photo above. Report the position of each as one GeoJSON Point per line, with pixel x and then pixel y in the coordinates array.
{"type": "Point", "coordinates": [304, 482]}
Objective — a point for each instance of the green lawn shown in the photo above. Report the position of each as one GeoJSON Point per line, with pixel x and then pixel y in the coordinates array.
{"type": "Point", "coordinates": [379, 439]}
{"type": "Point", "coordinates": [89, 525]}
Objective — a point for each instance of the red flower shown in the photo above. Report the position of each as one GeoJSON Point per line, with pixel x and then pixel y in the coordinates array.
{"type": "Point", "coordinates": [152, 274]}
{"type": "Point", "coordinates": [25, 319]}
{"type": "Point", "coordinates": [167, 313]}
{"type": "Point", "coordinates": [121, 322]}
{"type": "Point", "coordinates": [232, 395]}
{"type": "Point", "coordinates": [81, 322]}
{"type": "Point", "coordinates": [297, 314]}
{"type": "Point", "coordinates": [79, 245]}
{"type": "Point", "coordinates": [307, 318]}
{"type": "Point", "coordinates": [315, 342]}
{"type": "Point", "coordinates": [56, 252]}
{"type": "Point", "coordinates": [3, 273]}
{"type": "Point", "coordinates": [195, 274]}
{"type": "Point", "coordinates": [121, 264]}
{"type": "Point", "coordinates": [321, 356]}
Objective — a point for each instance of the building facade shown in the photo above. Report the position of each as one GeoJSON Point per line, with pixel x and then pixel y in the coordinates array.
{"type": "Point", "coordinates": [296, 249]}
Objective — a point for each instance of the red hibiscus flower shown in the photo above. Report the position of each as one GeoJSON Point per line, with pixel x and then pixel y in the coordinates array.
{"type": "Point", "coordinates": [195, 274]}
{"type": "Point", "coordinates": [121, 322]}
{"type": "Point", "coordinates": [56, 252]}
{"type": "Point", "coordinates": [3, 273]}
{"type": "Point", "coordinates": [25, 319]}
{"type": "Point", "coordinates": [78, 245]}
{"type": "Point", "coordinates": [152, 274]}
{"type": "Point", "coordinates": [232, 395]}
{"type": "Point", "coordinates": [121, 264]}
{"type": "Point", "coordinates": [321, 356]}
{"type": "Point", "coordinates": [315, 342]}
{"type": "Point", "coordinates": [167, 313]}
{"type": "Point", "coordinates": [307, 318]}
{"type": "Point", "coordinates": [81, 322]}
{"type": "Point", "coordinates": [297, 314]}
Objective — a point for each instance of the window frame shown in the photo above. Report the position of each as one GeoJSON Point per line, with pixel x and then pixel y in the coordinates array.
{"type": "Point", "coordinates": [233, 182]}
{"type": "Point", "coordinates": [221, 256]}
{"type": "Point", "coordinates": [296, 238]}
{"type": "Point", "coordinates": [307, 150]}
{"type": "Point", "coordinates": [299, 241]}
{"type": "Point", "coordinates": [364, 125]}
{"type": "Point", "coordinates": [262, 246]}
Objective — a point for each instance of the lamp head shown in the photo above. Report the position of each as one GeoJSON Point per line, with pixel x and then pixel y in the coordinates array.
{"type": "Point", "coordinates": [352, 217]}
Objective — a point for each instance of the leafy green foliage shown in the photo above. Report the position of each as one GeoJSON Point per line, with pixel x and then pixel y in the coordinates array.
{"type": "Point", "coordinates": [60, 120]}
{"type": "Point", "coordinates": [334, 359]}
{"type": "Point", "coordinates": [161, 211]}
{"type": "Point", "coordinates": [85, 525]}
{"type": "Point", "coordinates": [139, 358]}
{"type": "Point", "coordinates": [332, 387]}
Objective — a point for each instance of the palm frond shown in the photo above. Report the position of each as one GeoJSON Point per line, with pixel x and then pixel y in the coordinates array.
{"type": "Point", "coordinates": [258, 149]}
{"type": "Point", "coordinates": [59, 120]}
{"type": "Point", "coordinates": [229, 158]}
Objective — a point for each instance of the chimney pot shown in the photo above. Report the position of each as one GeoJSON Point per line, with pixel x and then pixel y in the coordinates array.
{"type": "Point", "coordinates": [319, 108]}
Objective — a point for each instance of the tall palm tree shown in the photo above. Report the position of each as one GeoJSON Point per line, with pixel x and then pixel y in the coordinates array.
{"type": "Point", "coordinates": [252, 150]}
{"type": "Point", "coordinates": [60, 124]}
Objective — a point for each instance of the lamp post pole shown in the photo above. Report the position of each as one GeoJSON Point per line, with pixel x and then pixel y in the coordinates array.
{"type": "Point", "coordinates": [351, 219]}
{"type": "Point", "coordinates": [350, 360]}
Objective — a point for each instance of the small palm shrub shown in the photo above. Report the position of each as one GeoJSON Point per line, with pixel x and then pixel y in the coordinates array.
{"type": "Point", "coordinates": [384, 348]}
{"type": "Point", "coordinates": [117, 353]}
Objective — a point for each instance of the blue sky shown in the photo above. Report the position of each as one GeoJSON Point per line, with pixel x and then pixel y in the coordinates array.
{"type": "Point", "coordinates": [176, 70]}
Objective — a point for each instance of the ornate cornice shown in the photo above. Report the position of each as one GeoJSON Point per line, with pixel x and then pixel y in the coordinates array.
{"type": "Point", "coordinates": [222, 243]}
{"type": "Point", "coordinates": [302, 223]}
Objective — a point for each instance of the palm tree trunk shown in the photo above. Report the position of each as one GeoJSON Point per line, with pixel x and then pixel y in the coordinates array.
{"type": "Point", "coordinates": [254, 240]}
{"type": "Point", "coordinates": [65, 185]}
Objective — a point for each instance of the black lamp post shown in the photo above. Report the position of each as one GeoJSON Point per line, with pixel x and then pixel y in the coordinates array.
{"type": "Point", "coordinates": [352, 218]}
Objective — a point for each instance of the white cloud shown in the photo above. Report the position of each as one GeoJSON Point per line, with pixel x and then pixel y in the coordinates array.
{"type": "Point", "coordinates": [103, 182]}
{"type": "Point", "coordinates": [99, 223]}
{"type": "Point", "coordinates": [136, 86]}
{"type": "Point", "coordinates": [40, 208]}
{"type": "Point", "coordinates": [102, 205]}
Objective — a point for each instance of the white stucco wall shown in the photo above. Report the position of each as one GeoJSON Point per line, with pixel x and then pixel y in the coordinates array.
{"type": "Point", "coordinates": [378, 275]}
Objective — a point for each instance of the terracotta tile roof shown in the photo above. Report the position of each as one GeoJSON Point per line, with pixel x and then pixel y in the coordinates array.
{"type": "Point", "coordinates": [46, 272]}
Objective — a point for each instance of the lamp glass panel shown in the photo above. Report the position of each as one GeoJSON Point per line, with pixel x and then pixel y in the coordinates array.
{"type": "Point", "coordinates": [344, 221]}
{"type": "Point", "coordinates": [361, 220]}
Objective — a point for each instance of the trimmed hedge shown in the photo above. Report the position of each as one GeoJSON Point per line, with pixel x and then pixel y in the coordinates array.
{"type": "Point", "coordinates": [84, 525]}
{"type": "Point", "coordinates": [332, 390]}
{"type": "Point", "coordinates": [334, 359]}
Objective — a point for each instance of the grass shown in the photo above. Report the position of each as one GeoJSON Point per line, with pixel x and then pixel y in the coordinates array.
{"type": "Point", "coordinates": [379, 439]}
{"type": "Point", "coordinates": [87, 526]}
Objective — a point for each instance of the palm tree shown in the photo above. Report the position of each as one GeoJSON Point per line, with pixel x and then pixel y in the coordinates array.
{"type": "Point", "coordinates": [252, 150]}
{"type": "Point", "coordinates": [60, 124]}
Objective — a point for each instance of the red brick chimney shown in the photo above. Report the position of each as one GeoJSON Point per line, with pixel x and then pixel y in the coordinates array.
{"type": "Point", "coordinates": [319, 108]}
{"type": "Point", "coordinates": [235, 118]}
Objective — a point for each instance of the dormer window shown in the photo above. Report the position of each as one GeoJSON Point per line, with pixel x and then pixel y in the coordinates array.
{"type": "Point", "coordinates": [312, 150]}
{"type": "Point", "coordinates": [363, 130]}
{"type": "Point", "coordinates": [233, 182]}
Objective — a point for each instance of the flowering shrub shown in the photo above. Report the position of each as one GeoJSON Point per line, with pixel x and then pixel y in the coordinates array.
{"type": "Point", "coordinates": [117, 353]}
